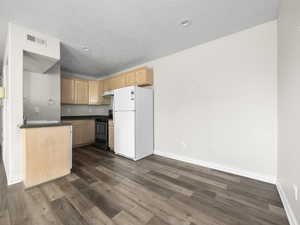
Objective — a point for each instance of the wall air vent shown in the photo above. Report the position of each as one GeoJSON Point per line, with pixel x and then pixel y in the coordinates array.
{"type": "Point", "coordinates": [36, 40]}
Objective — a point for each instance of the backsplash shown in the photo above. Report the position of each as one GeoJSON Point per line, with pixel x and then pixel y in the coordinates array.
{"type": "Point", "coordinates": [81, 110]}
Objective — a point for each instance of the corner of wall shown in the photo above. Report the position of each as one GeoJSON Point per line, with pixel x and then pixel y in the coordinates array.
{"type": "Point", "coordinates": [288, 209]}
{"type": "Point", "coordinates": [13, 181]}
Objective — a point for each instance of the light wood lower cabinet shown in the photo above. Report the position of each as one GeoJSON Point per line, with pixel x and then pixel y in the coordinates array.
{"type": "Point", "coordinates": [92, 130]}
{"type": "Point", "coordinates": [46, 153]}
{"type": "Point", "coordinates": [78, 135]}
{"type": "Point", "coordinates": [83, 132]}
{"type": "Point", "coordinates": [111, 134]}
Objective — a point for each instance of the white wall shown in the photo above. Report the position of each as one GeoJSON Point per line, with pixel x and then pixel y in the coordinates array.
{"type": "Point", "coordinates": [215, 104]}
{"type": "Point", "coordinates": [13, 102]}
{"type": "Point", "coordinates": [289, 106]}
{"type": "Point", "coordinates": [38, 88]}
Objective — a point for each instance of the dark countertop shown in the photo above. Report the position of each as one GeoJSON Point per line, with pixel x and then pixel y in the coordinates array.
{"type": "Point", "coordinates": [40, 125]}
{"type": "Point", "coordinates": [86, 117]}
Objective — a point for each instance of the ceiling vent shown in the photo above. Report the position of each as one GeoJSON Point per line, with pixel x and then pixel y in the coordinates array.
{"type": "Point", "coordinates": [36, 40]}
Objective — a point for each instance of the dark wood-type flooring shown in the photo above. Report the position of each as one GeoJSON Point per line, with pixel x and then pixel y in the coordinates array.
{"type": "Point", "coordinates": [107, 189]}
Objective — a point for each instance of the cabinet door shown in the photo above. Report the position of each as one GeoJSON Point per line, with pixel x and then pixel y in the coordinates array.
{"type": "Point", "coordinates": [82, 91]}
{"type": "Point", "coordinates": [111, 134]}
{"type": "Point", "coordinates": [91, 131]}
{"type": "Point", "coordinates": [113, 83]}
{"type": "Point", "coordinates": [121, 81]}
{"type": "Point", "coordinates": [106, 84]}
{"type": "Point", "coordinates": [67, 91]}
{"type": "Point", "coordinates": [117, 82]}
{"type": "Point", "coordinates": [130, 78]}
{"type": "Point", "coordinates": [103, 100]}
{"type": "Point", "coordinates": [144, 76]}
{"type": "Point", "coordinates": [78, 135]}
{"type": "Point", "coordinates": [94, 92]}
{"type": "Point", "coordinates": [85, 132]}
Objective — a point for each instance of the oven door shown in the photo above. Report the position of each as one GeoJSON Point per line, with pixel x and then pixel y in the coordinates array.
{"type": "Point", "coordinates": [101, 131]}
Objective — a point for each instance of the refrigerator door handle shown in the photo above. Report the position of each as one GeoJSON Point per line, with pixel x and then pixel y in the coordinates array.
{"type": "Point", "coordinates": [132, 95]}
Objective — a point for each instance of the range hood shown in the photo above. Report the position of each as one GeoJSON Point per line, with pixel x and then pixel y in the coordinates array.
{"type": "Point", "coordinates": [108, 93]}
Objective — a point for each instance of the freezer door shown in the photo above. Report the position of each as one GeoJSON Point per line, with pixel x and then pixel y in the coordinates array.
{"type": "Point", "coordinates": [124, 133]}
{"type": "Point", "coordinates": [124, 99]}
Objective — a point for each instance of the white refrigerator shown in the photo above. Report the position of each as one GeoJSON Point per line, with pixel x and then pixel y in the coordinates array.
{"type": "Point", "coordinates": [133, 122]}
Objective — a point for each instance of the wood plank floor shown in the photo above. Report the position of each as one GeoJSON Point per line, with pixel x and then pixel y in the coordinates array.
{"type": "Point", "coordinates": [107, 189]}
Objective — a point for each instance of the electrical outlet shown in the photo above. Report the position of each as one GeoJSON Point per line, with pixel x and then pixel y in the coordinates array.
{"type": "Point", "coordinates": [296, 191]}
{"type": "Point", "coordinates": [68, 110]}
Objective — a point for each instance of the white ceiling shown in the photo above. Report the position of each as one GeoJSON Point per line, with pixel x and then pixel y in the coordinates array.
{"type": "Point", "coordinates": [124, 33]}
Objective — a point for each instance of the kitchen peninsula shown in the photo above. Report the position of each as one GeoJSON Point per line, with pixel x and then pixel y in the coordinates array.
{"type": "Point", "coordinates": [47, 152]}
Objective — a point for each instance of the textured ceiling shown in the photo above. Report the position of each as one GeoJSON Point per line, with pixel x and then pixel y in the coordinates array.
{"type": "Point", "coordinates": [124, 33]}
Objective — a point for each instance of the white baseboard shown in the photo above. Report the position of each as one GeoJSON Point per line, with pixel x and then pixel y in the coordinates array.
{"type": "Point", "coordinates": [290, 214]}
{"type": "Point", "coordinates": [13, 180]}
{"type": "Point", "coordinates": [260, 177]}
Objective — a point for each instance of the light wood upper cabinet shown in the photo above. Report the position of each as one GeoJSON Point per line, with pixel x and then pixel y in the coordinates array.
{"type": "Point", "coordinates": [82, 91]}
{"type": "Point", "coordinates": [96, 91]}
{"type": "Point", "coordinates": [144, 76]}
{"type": "Point", "coordinates": [67, 91]}
{"type": "Point", "coordinates": [117, 82]}
{"type": "Point", "coordinates": [106, 84]}
{"type": "Point", "coordinates": [130, 78]}
{"type": "Point", "coordinates": [103, 100]}
{"type": "Point", "coordinates": [141, 76]}
{"type": "Point", "coordinates": [76, 91]}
